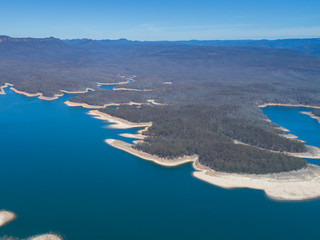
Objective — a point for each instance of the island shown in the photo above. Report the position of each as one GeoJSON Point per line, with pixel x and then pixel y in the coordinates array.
{"type": "Point", "coordinates": [6, 217]}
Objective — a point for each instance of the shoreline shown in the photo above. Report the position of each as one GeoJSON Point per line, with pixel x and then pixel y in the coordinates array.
{"type": "Point", "coordinates": [85, 105]}
{"type": "Point", "coordinates": [2, 92]}
{"type": "Point", "coordinates": [77, 92]}
{"type": "Point", "coordinates": [153, 102]}
{"type": "Point", "coordinates": [6, 217]}
{"type": "Point", "coordinates": [287, 186]}
{"type": "Point", "coordinates": [135, 136]}
{"type": "Point", "coordinates": [118, 123]}
{"type": "Point", "coordinates": [132, 89]}
{"type": "Point", "coordinates": [286, 105]}
{"type": "Point", "coordinates": [310, 114]}
{"type": "Point", "coordinates": [56, 96]}
{"type": "Point", "coordinates": [127, 147]}
{"type": "Point", "coordinates": [311, 153]}
{"type": "Point", "coordinates": [38, 94]}
{"type": "Point", "coordinates": [47, 236]}
{"type": "Point", "coordinates": [99, 84]}
{"type": "Point", "coordinates": [303, 184]}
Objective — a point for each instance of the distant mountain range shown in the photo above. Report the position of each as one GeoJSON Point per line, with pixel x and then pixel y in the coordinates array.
{"type": "Point", "coordinates": [308, 45]}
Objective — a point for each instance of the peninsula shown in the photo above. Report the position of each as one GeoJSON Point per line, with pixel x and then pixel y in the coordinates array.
{"type": "Point", "coordinates": [196, 103]}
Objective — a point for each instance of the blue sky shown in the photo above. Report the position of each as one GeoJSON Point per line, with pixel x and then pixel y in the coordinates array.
{"type": "Point", "coordinates": [161, 20]}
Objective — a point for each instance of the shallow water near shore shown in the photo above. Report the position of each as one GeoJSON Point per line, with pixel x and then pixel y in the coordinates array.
{"type": "Point", "coordinates": [59, 176]}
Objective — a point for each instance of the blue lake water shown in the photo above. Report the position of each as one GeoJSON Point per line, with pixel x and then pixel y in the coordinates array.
{"type": "Point", "coordinates": [107, 87]}
{"type": "Point", "coordinates": [59, 176]}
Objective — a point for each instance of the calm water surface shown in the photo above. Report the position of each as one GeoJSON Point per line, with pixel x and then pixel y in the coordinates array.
{"type": "Point", "coordinates": [59, 176]}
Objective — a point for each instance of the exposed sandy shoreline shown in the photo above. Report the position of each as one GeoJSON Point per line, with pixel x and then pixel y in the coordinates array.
{"type": "Point", "coordinates": [6, 217]}
{"type": "Point", "coordinates": [45, 237]}
{"type": "Point", "coordinates": [2, 92]}
{"type": "Point", "coordinates": [132, 89]}
{"type": "Point", "coordinates": [118, 122]}
{"type": "Point", "coordinates": [57, 95]}
{"type": "Point", "coordinates": [38, 94]}
{"type": "Point", "coordinates": [85, 105]}
{"type": "Point", "coordinates": [286, 105]}
{"type": "Point", "coordinates": [289, 186]}
{"type": "Point", "coordinates": [127, 147]}
{"type": "Point", "coordinates": [153, 102]}
{"type": "Point", "coordinates": [282, 129]}
{"type": "Point", "coordinates": [76, 92]}
{"type": "Point", "coordinates": [117, 83]}
{"type": "Point", "coordinates": [291, 136]}
{"type": "Point", "coordinates": [310, 114]}
{"type": "Point", "coordinates": [129, 135]}
{"type": "Point", "coordinates": [312, 153]}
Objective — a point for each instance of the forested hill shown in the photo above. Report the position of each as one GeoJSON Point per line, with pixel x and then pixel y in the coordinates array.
{"type": "Point", "coordinates": [185, 77]}
{"type": "Point", "coordinates": [316, 112]}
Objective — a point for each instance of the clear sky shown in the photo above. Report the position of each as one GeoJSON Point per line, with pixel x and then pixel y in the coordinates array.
{"type": "Point", "coordinates": [161, 20]}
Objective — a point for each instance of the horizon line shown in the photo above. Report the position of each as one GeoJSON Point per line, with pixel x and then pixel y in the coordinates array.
{"type": "Point", "coordinates": [181, 40]}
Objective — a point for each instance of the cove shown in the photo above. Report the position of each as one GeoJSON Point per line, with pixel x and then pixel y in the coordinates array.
{"type": "Point", "coordinates": [59, 176]}
{"type": "Point", "coordinates": [301, 125]}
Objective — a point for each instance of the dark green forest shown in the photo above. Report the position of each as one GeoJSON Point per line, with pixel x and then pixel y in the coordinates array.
{"type": "Point", "coordinates": [316, 112]}
{"type": "Point", "coordinates": [212, 101]}
{"type": "Point", "coordinates": [209, 132]}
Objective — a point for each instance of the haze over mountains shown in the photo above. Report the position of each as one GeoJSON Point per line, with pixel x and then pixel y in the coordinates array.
{"type": "Point", "coordinates": [311, 45]}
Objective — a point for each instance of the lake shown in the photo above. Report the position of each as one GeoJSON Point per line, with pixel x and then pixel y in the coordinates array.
{"type": "Point", "coordinates": [59, 176]}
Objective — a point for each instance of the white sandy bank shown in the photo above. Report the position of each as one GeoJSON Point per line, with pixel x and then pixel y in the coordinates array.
{"type": "Point", "coordinates": [118, 122]}
{"type": "Point", "coordinates": [2, 92]}
{"type": "Point", "coordinates": [310, 114]}
{"type": "Point", "coordinates": [127, 147]}
{"type": "Point", "coordinates": [38, 94]}
{"type": "Point", "coordinates": [6, 217]}
{"type": "Point", "coordinates": [85, 105]}
{"type": "Point", "coordinates": [295, 185]}
{"type": "Point", "coordinates": [129, 135]}
{"type": "Point", "coordinates": [45, 237]}
{"type": "Point", "coordinates": [132, 89]}
{"type": "Point", "coordinates": [77, 92]}
{"type": "Point", "coordinates": [286, 105]}
{"type": "Point", "coordinates": [115, 83]}
{"type": "Point", "coordinates": [312, 152]}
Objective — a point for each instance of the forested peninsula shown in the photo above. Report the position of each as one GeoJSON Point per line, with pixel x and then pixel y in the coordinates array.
{"type": "Point", "coordinates": [200, 99]}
